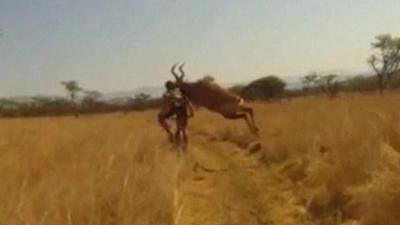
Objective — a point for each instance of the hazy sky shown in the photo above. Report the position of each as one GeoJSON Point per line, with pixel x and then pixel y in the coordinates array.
{"type": "Point", "coordinates": [121, 44]}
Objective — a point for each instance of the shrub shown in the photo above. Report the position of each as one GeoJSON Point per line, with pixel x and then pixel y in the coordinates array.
{"type": "Point", "coordinates": [266, 88]}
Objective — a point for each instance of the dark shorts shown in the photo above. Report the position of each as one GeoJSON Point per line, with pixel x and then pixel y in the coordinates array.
{"type": "Point", "coordinates": [181, 115]}
{"type": "Point", "coordinates": [177, 106]}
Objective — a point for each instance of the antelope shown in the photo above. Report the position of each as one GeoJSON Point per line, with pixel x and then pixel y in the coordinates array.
{"type": "Point", "coordinates": [215, 98]}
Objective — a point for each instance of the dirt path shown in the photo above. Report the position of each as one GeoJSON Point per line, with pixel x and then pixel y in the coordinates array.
{"type": "Point", "coordinates": [221, 184]}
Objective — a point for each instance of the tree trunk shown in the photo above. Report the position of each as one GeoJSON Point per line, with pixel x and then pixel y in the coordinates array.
{"type": "Point", "coordinates": [381, 84]}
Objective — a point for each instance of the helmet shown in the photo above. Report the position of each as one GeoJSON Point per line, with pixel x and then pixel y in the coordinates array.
{"type": "Point", "coordinates": [169, 85]}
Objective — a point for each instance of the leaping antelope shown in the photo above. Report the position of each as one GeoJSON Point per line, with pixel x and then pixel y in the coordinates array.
{"type": "Point", "coordinates": [215, 98]}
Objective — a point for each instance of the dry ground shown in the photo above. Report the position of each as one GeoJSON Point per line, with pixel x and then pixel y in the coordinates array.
{"type": "Point", "coordinates": [316, 162]}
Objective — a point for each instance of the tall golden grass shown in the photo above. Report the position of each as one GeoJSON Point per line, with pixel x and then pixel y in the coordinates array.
{"type": "Point", "coordinates": [95, 170]}
{"type": "Point", "coordinates": [320, 162]}
{"type": "Point", "coordinates": [343, 156]}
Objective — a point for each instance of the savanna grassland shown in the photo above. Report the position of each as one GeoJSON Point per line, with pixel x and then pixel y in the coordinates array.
{"type": "Point", "coordinates": [316, 161]}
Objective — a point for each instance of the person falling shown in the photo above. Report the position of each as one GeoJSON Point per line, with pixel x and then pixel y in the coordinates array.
{"type": "Point", "coordinates": [175, 103]}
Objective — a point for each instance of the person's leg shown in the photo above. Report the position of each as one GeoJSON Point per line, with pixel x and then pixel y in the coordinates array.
{"type": "Point", "coordinates": [181, 123]}
{"type": "Point", "coordinates": [162, 119]}
{"type": "Point", "coordinates": [178, 135]}
{"type": "Point", "coordinates": [184, 128]}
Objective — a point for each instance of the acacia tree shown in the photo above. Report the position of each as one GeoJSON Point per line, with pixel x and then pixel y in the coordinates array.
{"type": "Point", "coordinates": [92, 96]}
{"type": "Point", "coordinates": [328, 84]}
{"type": "Point", "coordinates": [386, 61]}
{"type": "Point", "coordinates": [142, 97]}
{"type": "Point", "coordinates": [72, 87]}
{"type": "Point", "coordinates": [91, 99]}
{"type": "Point", "coordinates": [309, 81]}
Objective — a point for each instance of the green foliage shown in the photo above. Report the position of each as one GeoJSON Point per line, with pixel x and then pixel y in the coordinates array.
{"type": "Point", "coordinates": [237, 89]}
{"type": "Point", "coordinates": [55, 106]}
{"type": "Point", "coordinates": [360, 84]}
{"type": "Point", "coordinates": [386, 60]}
{"type": "Point", "coordinates": [327, 84]}
{"type": "Point", "coordinates": [38, 106]}
{"type": "Point", "coordinates": [72, 87]}
{"type": "Point", "coordinates": [142, 97]}
{"type": "Point", "coordinates": [91, 97]}
{"type": "Point", "coordinates": [266, 88]}
{"type": "Point", "coordinates": [395, 81]}
{"type": "Point", "coordinates": [141, 101]}
{"type": "Point", "coordinates": [309, 82]}
{"type": "Point", "coordinates": [91, 102]}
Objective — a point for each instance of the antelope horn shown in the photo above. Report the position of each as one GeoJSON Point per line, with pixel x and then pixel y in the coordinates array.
{"type": "Point", "coordinates": [181, 70]}
{"type": "Point", "coordinates": [173, 71]}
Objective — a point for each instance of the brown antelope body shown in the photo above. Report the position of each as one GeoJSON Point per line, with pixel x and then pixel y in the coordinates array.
{"type": "Point", "coordinates": [215, 98]}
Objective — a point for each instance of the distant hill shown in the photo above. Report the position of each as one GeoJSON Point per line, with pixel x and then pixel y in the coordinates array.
{"type": "Point", "coordinates": [27, 99]}
{"type": "Point", "coordinates": [154, 92]}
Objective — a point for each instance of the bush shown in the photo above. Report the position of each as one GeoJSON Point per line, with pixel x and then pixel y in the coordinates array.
{"type": "Point", "coordinates": [266, 88]}
{"type": "Point", "coordinates": [360, 83]}
{"type": "Point", "coordinates": [47, 106]}
{"type": "Point", "coordinates": [237, 89]}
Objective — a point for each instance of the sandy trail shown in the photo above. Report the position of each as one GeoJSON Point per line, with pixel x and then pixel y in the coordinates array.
{"type": "Point", "coordinates": [221, 184]}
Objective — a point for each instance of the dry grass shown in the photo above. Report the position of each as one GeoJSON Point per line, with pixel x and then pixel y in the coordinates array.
{"type": "Point", "coordinates": [345, 154]}
{"type": "Point", "coordinates": [337, 161]}
{"type": "Point", "coordinates": [95, 170]}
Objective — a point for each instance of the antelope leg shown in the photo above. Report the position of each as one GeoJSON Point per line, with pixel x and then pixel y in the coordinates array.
{"type": "Point", "coordinates": [242, 115]}
{"type": "Point", "coordinates": [249, 110]}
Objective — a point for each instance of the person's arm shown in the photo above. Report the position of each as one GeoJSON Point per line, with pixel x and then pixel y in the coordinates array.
{"type": "Point", "coordinates": [165, 104]}
{"type": "Point", "coordinates": [189, 108]}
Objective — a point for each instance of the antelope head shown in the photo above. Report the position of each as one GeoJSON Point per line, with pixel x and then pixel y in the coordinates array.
{"type": "Point", "coordinates": [178, 79]}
